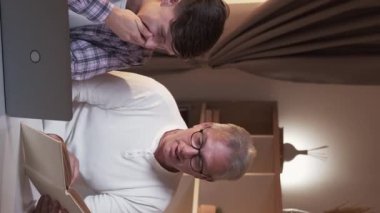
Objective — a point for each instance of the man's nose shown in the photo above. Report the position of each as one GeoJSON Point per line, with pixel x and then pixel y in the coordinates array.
{"type": "Point", "coordinates": [189, 152]}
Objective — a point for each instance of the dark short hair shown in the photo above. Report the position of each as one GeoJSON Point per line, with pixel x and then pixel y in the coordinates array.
{"type": "Point", "coordinates": [198, 26]}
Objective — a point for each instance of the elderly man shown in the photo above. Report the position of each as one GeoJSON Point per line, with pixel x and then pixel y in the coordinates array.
{"type": "Point", "coordinates": [133, 145]}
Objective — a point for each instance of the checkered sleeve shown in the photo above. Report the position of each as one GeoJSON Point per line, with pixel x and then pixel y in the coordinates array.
{"type": "Point", "coordinates": [88, 60]}
{"type": "Point", "coordinates": [94, 10]}
{"type": "Point", "coordinates": [95, 50]}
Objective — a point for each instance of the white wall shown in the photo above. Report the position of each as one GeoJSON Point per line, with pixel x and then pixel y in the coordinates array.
{"type": "Point", "coordinates": [346, 118]}
{"type": "Point", "coordinates": [13, 196]}
{"type": "Point", "coordinates": [9, 181]}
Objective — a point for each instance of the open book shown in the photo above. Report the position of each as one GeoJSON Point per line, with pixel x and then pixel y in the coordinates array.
{"type": "Point", "coordinates": [47, 164]}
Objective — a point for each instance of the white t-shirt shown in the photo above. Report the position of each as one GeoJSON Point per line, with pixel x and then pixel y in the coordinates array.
{"type": "Point", "coordinates": [117, 123]}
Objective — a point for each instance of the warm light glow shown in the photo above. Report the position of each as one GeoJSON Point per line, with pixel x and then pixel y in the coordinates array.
{"type": "Point", "coordinates": [303, 170]}
{"type": "Point", "coordinates": [243, 1]}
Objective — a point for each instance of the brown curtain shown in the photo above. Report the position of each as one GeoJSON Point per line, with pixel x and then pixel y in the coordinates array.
{"type": "Point", "coordinates": [320, 41]}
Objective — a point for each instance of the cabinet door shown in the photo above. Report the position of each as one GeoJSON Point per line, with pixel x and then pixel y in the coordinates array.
{"type": "Point", "coordinates": [183, 197]}
{"type": "Point", "coordinates": [255, 116]}
{"type": "Point", "coordinates": [251, 193]}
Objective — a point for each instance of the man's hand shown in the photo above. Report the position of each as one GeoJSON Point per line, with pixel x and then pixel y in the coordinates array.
{"type": "Point", "coordinates": [128, 26]}
{"type": "Point", "coordinates": [74, 166]}
{"type": "Point", "coordinates": [47, 205]}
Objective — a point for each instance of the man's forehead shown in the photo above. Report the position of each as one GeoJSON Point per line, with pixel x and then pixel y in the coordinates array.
{"type": "Point", "coordinates": [218, 157]}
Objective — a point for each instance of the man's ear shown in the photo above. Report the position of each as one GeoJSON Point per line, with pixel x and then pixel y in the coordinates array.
{"type": "Point", "coordinates": [168, 3]}
{"type": "Point", "coordinates": [209, 179]}
{"type": "Point", "coordinates": [203, 177]}
{"type": "Point", "coordinates": [203, 125]}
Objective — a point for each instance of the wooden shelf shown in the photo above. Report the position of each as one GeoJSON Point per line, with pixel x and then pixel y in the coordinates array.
{"type": "Point", "coordinates": [255, 116]}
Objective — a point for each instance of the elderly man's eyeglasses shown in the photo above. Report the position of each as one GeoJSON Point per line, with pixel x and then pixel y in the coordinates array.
{"type": "Point", "coordinates": [197, 140]}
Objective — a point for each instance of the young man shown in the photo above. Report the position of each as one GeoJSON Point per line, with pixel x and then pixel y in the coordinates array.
{"type": "Point", "coordinates": [133, 145]}
{"type": "Point", "coordinates": [186, 28]}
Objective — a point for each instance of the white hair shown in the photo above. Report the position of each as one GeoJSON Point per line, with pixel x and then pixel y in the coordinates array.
{"type": "Point", "coordinates": [242, 150]}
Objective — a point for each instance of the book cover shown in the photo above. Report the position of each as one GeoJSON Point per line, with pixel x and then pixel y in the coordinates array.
{"type": "Point", "coordinates": [46, 163]}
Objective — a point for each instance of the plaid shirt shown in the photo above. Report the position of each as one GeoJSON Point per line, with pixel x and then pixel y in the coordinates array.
{"type": "Point", "coordinates": [95, 49]}
{"type": "Point", "coordinates": [94, 10]}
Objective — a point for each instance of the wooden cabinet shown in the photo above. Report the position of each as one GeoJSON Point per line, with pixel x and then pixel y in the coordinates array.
{"type": "Point", "coordinates": [259, 190]}
{"type": "Point", "coordinates": [255, 116]}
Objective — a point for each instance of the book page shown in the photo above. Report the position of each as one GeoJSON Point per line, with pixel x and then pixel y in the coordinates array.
{"type": "Point", "coordinates": [78, 200]}
{"type": "Point", "coordinates": [44, 155]}
{"type": "Point", "coordinates": [45, 163]}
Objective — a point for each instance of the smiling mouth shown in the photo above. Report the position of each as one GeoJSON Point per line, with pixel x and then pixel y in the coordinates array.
{"type": "Point", "coordinates": [176, 153]}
